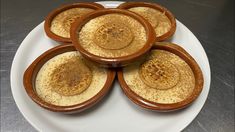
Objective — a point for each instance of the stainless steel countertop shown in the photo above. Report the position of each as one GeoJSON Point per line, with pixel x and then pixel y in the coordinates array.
{"type": "Point", "coordinates": [212, 21]}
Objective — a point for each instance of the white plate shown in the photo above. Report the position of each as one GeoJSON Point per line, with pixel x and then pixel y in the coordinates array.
{"type": "Point", "coordinates": [115, 113]}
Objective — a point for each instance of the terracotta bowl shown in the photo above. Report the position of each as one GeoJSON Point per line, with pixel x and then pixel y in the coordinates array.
{"type": "Point", "coordinates": [113, 61]}
{"type": "Point", "coordinates": [31, 73]}
{"type": "Point", "coordinates": [51, 16]}
{"type": "Point", "coordinates": [177, 50]}
{"type": "Point", "coordinates": [171, 17]}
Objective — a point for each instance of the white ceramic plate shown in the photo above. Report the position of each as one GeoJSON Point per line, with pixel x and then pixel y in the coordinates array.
{"type": "Point", "coordinates": [115, 113]}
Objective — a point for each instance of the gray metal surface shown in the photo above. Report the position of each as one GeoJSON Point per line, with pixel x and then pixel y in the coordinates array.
{"type": "Point", "coordinates": [212, 21]}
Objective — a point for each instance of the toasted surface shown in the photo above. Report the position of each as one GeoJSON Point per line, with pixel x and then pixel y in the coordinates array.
{"type": "Point", "coordinates": [112, 35]}
{"type": "Point", "coordinates": [67, 80]}
{"type": "Point", "coordinates": [61, 23]}
{"type": "Point", "coordinates": [163, 78]}
{"type": "Point", "coordinates": [157, 19]}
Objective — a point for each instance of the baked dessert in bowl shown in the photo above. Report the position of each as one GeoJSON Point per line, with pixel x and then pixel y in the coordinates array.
{"type": "Point", "coordinates": [61, 80]}
{"type": "Point", "coordinates": [112, 37]}
{"type": "Point", "coordinates": [169, 79]}
{"type": "Point", "coordinates": [58, 22]}
{"type": "Point", "coordinates": [162, 20]}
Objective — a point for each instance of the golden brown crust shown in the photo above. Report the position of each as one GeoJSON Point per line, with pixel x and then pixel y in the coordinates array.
{"type": "Point", "coordinates": [71, 78]}
{"type": "Point", "coordinates": [54, 13]}
{"type": "Point", "coordinates": [165, 36]}
{"type": "Point", "coordinates": [113, 36]}
{"type": "Point", "coordinates": [159, 74]}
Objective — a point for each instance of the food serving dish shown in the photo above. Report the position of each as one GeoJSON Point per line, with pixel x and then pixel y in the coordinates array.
{"type": "Point", "coordinates": [112, 37]}
{"type": "Point", "coordinates": [169, 79]}
{"type": "Point", "coordinates": [31, 81]}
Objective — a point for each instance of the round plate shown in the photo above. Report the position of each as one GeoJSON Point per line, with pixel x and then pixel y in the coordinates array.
{"type": "Point", "coordinates": [115, 112]}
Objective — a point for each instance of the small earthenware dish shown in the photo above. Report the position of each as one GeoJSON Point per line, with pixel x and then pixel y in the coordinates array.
{"type": "Point", "coordinates": [162, 20]}
{"type": "Point", "coordinates": [58, 22]}
{"type": "Point", "coordinates": [60, 80]}
{"type": "Point", "coordinates": [169, 79]}
{"type": "Point", "coordinates": [112, 37]}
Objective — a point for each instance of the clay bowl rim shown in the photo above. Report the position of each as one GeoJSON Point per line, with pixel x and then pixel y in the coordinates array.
{"type": "Point", "coordinates": [173, 48]}
{"type": "Point", "coordinates": [60, 9]}
{"type": "Point", "coordinates": [78, 24]}
{"type": "Point", "coordinates": [32, 71]}
{"type": "Point", "coordinates": [161, 8]}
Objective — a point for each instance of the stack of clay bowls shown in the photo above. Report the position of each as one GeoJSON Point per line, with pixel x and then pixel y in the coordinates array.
{"type": "Point", "coordinates": [95, 43]}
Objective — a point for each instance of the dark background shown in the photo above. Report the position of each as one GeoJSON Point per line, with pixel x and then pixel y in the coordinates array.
{"type": "Point", "coordinates": [212, 21]}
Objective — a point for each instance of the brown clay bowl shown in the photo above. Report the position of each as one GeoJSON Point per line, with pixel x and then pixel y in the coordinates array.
{"type": "Point", "coordinates": [57, 11]}
{"type": "Point", "coordinates": [31, 73]}
{"type": "Point", "coordinates": [111, 61]}
{"type": "Point", "coordinates": [167, 35]}
{"type": "Point", "coordinates": [173, 48]}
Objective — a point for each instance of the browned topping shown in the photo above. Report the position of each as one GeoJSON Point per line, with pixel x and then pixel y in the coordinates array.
{"type": "Point", "coordinates": [69, 20]}
{"type": "Point", "coordinates": [159, 74]}
{"type": "Point", "coordinates": [156, 18]}
{"type": "Point", "coordinates": [61, 24]}
{"type": "Point", "coordinates": [163, 78]}
{"type": "Point", "coordinates": [71, 78]}
{"type": "Point", "coordinates": [148, 14]}
{"type": "Point", "coordinates": [113, 36]}
{"type": "Point", "coordinates": [79, 73]}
